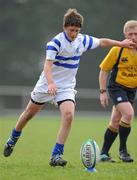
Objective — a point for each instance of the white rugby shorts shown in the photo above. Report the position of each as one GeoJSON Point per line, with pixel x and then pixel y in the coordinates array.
{"type": "Point", "coordinates": [41, 98]}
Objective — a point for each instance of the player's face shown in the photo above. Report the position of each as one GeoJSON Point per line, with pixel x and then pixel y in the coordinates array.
{"type": "Point", "coordinates": [131, 33]}
{"type": "Point", "coordinates": [72, 32]}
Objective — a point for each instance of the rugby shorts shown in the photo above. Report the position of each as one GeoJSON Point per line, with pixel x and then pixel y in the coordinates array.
{"type": "Point", "coordinates": [42, 98]}
{"type": "Point", "coordinates": [120, 94]}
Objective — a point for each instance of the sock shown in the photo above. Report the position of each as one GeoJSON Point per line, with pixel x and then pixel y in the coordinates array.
{"type": "Point", "coordinates": [58, 149]}
{"type": "Point", "coordinates": [14, 137]}
{"type": "Point", "coordinates": [109, 138]}
{"type": "Point", "coordinates": [123, 135]}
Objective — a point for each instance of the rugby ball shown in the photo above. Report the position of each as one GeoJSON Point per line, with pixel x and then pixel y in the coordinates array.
{"type": "Point", "coordinates": [90, 153]}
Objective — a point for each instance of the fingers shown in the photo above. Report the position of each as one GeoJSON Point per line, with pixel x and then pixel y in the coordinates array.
{"type": "Point", "coordinates": [52, 92]}
{"type": "Point", "coordinates": [128, 43]}
{"type": "Point", "coordinates": [104, 102]}
{"type": "Point", "coordinates": [132, 44]}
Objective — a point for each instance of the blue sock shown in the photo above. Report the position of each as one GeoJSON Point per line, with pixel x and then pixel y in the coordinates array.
{"type": "Point", "coordinates": [58, 149]}
{"type": "Point", "coordinates": [14, 137]}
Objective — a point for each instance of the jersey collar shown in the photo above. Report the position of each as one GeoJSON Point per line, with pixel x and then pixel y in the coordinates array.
{"type": "Point", "coordinates": [67, 38]}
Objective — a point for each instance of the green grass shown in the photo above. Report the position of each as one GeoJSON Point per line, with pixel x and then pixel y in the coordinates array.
{"type": "Point", "coordinates": [30, 159]}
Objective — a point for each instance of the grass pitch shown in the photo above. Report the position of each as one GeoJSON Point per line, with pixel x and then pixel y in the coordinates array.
{"type": "Point", "coordinates": [30, 159]}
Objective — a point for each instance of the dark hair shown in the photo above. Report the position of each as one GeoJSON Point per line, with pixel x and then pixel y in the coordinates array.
{"type": "Point", "coordinates": [73, 18]}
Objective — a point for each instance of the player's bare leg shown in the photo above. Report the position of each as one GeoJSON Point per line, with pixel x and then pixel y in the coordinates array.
{"type": "Point", "coordinates": [29, 112]}
{"type": "Point", "coordinates": [127, 112]}
{"type": "Point", "coordinates": [67, 109]}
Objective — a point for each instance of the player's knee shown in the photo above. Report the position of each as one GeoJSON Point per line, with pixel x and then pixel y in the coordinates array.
{"type": "Point", "coordinates": [69, 116]}
{"type": "Point", "coordinates": [128, 116]}
{"type": "Point", "coordinates": [114, 125]}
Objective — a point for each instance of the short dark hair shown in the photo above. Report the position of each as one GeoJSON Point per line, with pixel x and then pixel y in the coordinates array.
{"type": "Point", "coordinates": [73, 18]}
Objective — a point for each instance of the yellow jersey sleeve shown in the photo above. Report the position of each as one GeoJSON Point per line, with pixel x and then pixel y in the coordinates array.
{"type": "Point", "coordinates": [111, 59]}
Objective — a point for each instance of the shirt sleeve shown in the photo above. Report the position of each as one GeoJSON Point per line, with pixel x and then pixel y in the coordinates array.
{"type": "Point", "coordinates": [52, 49]}
{"type": "Point", "coordinates": [90, 42]}
{"type": "Point", "coordinates": [96, 42]}
{"type": "Point", "coordinates": [110, 59]}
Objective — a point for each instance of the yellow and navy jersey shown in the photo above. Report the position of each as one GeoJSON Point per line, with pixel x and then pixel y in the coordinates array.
{"type": "Point", "coordinates": [124, 70]}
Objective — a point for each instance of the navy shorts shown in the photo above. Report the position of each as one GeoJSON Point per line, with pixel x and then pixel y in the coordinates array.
{"type": "Point", "coordinates": [120, 94]}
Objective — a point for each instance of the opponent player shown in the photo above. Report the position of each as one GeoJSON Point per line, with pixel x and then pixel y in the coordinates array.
{"type": "Point", "coordinates": [122, 63]}
{"type": "Point", "coordinates": [57, 81]}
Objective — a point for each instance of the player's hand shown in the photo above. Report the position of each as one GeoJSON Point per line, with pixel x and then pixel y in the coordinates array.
{"type": "Point", "coordinates": [128, 43]}
{"type": "Point", "coordinates": [52, 89]}
{"type": "Point", "coordinates": [104, 99]}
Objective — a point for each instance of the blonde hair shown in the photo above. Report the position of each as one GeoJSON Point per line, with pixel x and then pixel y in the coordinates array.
{"type": "Point", "coordinates": [73, 18]}
{"type": "Point", "coordinates": [129, 24]}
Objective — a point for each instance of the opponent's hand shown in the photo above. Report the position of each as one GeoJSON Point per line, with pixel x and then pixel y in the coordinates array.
{"type": "Point", "coordinates": [104, 99]}
{"type": "Point", "coordinates": [128, 43]}
{"type": "Point", "coordinates": [52, 89]}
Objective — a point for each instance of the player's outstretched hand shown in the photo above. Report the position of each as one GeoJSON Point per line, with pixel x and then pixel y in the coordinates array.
{"type": "Point", "coordinates": [128, 43]}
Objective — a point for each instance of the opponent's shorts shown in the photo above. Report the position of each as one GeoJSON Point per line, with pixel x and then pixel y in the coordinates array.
{"type": "Point", "coordinates": [42, 98]}
{"type": "Point", "coordinates": [120, 94]}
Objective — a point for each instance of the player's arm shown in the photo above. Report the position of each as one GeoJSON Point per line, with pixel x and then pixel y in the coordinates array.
{"type": "Point", "coordinates": [103, 75]}
{"type": "Point", "coordinates": [52, 89]}
{"type": "Point", "coordinates": [104, 42]}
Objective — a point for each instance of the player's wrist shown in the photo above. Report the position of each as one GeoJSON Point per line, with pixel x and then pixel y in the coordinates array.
{"type": "Point", "coordinates": [102, 91]}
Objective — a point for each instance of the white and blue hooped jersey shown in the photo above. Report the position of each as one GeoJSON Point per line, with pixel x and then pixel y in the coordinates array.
{"type": "Point", "coordinates": [66, 56]}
